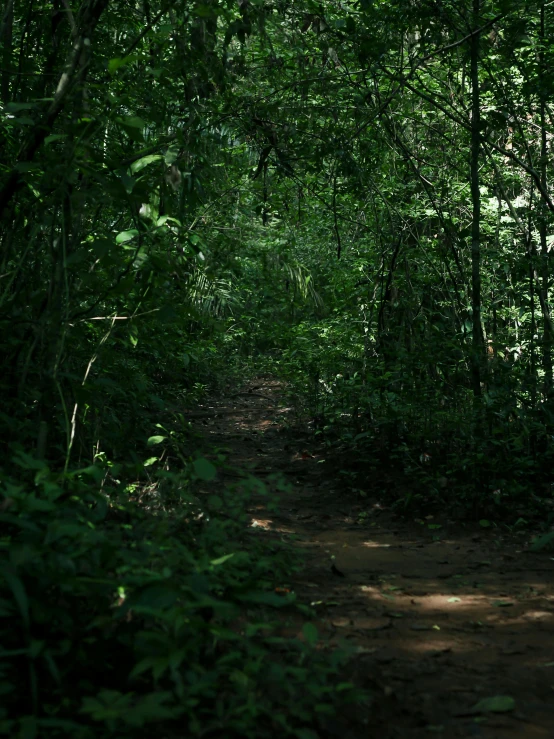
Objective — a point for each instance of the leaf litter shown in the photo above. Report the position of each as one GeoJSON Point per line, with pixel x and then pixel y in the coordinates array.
{"type": "Point", "coordinates": [440, 664]}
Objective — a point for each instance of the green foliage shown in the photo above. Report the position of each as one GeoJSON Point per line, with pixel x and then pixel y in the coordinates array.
{"type": "Point", "coordinates": [117, 617]}
{"type": "Point", "coordinates": [544, 543]}
{"type": "Point", "coordinates": [194, 192]}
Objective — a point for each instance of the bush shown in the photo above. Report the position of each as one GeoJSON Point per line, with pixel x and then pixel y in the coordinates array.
{"type": "Point", "coordinates": [116, 616]}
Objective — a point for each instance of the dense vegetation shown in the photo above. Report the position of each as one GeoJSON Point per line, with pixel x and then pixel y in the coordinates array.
{"type": "Point", "coordinates": [352, 196]}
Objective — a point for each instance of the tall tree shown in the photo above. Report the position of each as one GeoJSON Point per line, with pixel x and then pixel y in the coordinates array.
{"type": "Point", "coordinates": [477, 332]}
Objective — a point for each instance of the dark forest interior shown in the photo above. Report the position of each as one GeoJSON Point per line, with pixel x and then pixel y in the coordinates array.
{"type": "Point", "coordinates": [277, 394]}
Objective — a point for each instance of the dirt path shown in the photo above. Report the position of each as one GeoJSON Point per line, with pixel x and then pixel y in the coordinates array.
{"type": "Point", "coordinates": [442, 618]}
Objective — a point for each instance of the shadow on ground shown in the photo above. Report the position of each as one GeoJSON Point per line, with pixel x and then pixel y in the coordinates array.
{"type": "Point", "coordinates": [439, 619]}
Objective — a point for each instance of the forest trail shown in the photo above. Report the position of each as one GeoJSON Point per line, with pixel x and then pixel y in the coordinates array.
{"type": "Point", "coordinates": [441, 618]}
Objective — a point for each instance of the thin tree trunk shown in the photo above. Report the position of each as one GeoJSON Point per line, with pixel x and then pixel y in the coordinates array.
{"type": "Point", "coordinates": [6, 38]}
{"type": "Point", "coordinates": [531, 258]}
{"type": "Point", "coordinates": [543, 225]}
{"type": "Point", "coordinates": [477, 353]}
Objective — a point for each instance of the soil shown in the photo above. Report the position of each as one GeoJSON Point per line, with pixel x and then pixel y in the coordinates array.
{"type": "Point", "coordinates": [442, 614]}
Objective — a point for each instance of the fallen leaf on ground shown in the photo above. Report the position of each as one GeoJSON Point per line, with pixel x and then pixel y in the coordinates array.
{"type": "Point", "coordinates": [494, 704]}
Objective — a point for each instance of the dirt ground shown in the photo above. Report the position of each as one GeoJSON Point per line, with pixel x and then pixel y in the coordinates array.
{"type": "Point", "coordinates": [442, 615]}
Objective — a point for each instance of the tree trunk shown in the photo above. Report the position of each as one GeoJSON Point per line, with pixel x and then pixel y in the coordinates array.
{"type": "Point", "coordinates": [543, 223]}
{"type": "Point", "coordinates": [6, 39]}
{"type": "Point", "coordinates": [477, 353]}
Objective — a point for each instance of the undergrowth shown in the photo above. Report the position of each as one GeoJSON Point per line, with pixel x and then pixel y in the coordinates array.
{"type": "Point", "coordinates": [128, 604]}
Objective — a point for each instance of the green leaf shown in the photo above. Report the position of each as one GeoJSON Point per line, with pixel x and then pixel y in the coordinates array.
{"type": "Point", "coordinates": [54, 137]}
{"type": "Point", "coordinates": [495, 704]}
{"type": "Point", "coordinates": [125, 236]}
{"type": "Point", "coordinates": [542, 543]}
{"type": "Point", "coordinates": [196, 243]}
{"type": "Point", "coordinates": [484, 523]}
{"type": "Point", "coordinates": [153, 440]}
{"type": "Point", "coordinates": [162, 220]}
{"type": "Point", "coordinates": [108, 705]}
{"type": "Point", "coordinates": [118, 62]}
{"type": "Point", "coordinates": [133, 127]}
{"type": "Point", "coordinates": [221, 560]}
{"type": "Point", "coordinates": [16, 107]}
{"type": "Point", "coordinates": [133, 121]}
{"type": "Point", "coordinates": [24, 120]}
{"type": "Point", "coordinates": [144, 162]}
{"type": "Point", "coordinates": [310, 633]}
{"type": "Point", "coordinates": [204, 469]}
